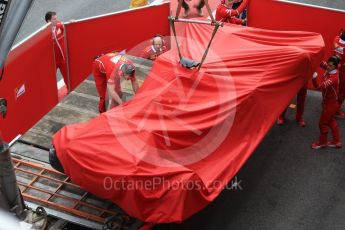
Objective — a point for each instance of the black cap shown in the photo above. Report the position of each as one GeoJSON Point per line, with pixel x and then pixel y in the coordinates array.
{"type": "Point", "coordinates": [334, 60]}
{"type": "Point", "coordinates": [128, 69]}
{"type": "Point", "coordinates": [342, 35]}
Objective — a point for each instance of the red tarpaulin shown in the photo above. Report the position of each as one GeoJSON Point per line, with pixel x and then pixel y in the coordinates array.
{"type": "Point", "coordinates": [170, 151]}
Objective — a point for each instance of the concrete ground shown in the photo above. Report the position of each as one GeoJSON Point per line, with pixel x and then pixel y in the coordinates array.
{"type": "Point", "coordinates": [67, 10]}
{"type": "Point", "coordinates": [284, 185]}
{"type": "Point", "coordinates": [336, 4]}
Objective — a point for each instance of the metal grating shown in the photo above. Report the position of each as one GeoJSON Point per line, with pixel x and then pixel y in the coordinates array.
{"type": "Point", "coordinates": [53, 189]}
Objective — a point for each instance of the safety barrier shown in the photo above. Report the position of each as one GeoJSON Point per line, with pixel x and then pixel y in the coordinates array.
{"type": "Point", "coordinates": [289, 15]}
{"type": "Point", "coordinates": [90, 37]}
{"type": "Point", "coordinates": [54, 190]}
{"type": "Point", "coordinates": [29, 80]}
{"type": "Point", "coordinates": [28, 84]}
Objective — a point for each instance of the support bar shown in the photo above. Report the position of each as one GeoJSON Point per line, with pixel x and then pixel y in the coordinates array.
{"type": "Point", "coordinates": [10, 196]}
{"type": "Point", "coordinates": [197, 21]}
{"type": "Point", "coordinates": [216, 25]}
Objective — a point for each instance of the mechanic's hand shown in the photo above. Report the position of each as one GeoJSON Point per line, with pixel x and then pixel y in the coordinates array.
{"type": "Point", "coordinates": [315, 75]}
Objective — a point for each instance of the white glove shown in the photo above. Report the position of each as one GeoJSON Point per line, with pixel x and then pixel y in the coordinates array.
{"type": "Point", "coordinates": [315, 75]}
{"type": "Point", "coordinates": [339, 50]}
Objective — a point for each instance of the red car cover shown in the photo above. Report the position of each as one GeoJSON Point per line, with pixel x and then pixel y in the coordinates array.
{"type": "Point", "coordinates": [168, 152]}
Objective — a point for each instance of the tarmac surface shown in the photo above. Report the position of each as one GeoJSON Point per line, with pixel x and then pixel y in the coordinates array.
{"type": "Point", "coordinates": [67, 10]}
{"type": "Point", "coordinates": [336, 4]}
{"type": "Point", "coordinates": [284, 185]}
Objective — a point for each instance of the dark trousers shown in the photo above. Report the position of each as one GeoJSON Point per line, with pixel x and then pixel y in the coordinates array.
{"type": "Point", "coordinates": [327, 121]}
{"type": "Point", "coordinates": [302, 93]}
{"type": "Point", "coordinates": [341, 84]}
{"type": "Point", "coordinates": [200, 5]}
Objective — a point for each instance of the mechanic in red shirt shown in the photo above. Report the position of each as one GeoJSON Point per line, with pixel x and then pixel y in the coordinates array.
{"type": "Point", "coordinates": [329, 85]}
{"type": "Point", "coordinates": [108, 71]}
{"type": "Point", "coordinates": [240, 6]}
{"type": "Point", "coordinates": [156, 48]}
{"type": "Point", "coordinates": [226, 13]}
{"type": "Point", "coordinates": [58, 30]}
{"type": "Point", "coordinates": [339, 51]}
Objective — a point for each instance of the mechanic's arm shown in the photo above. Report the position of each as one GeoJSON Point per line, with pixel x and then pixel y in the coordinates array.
{"type": "Point", "coordinates": [113, 94]}
{"type": "Point", "coordinates": [238, 21]}
{"type": "Point", "coordinates": [224, 12]}
{"type": "Point", "coordinates": [323, 84]}
{"type": "Point", "coordinates": [145, 54]}
{"type": "Point", "coordinates": [335, 42]}
{"type": "Point", "coordinates": [243, 6]}
{"type": "Point", "coordinates": [135, 85]}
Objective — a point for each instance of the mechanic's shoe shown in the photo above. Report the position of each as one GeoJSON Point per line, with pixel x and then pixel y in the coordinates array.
{"type": "Point", "coordinates": [340, 115]}
{"type": "Point", "coordinates": [280, 121]}
{"type": "Point", "coordinates": [333, 144]}
{"type": "Point", "coordinates": [199, 11]}
{"type": "Point", "coordinates": [301, 122]}
{"type": "Point", "coordinates": [186, 13]}
{"type": "Point", "coordinates": [317, 145]}
{"type": "Point", "coordinates": [36, 219]}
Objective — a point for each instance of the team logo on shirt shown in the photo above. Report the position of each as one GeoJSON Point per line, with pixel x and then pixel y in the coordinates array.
{"type": "Point", "coordinates": [115, 59]}
{"type": "Point", "coordinates": [123, 58]}
{"type": "Point", "coordinates": [19, 91]}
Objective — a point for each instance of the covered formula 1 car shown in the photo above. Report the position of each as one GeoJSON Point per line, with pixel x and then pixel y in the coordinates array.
{"type": "Point", "coordinates": [168, 152]}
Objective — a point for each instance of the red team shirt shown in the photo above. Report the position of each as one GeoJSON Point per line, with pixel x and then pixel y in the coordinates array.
{"type": "Point", "coordinates": [110, 65]}
{"type": "Point", "coordinates": [329, 85]}
{"type": "Point", "coordinates": [59, 41]}
{"type": "Point", "coordinates": [225, 13]}
{"type": "Point", "coordinates": [340, 50]}
{"type": "Point", "coordinates": [59, 49]}
{"type": "Point", "coordinates": [151, 53]}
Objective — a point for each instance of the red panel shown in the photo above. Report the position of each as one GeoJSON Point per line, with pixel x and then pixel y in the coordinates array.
{"type": "Point", "coordinates": [124, 30]}
{"type": "Point", "coordinates": [278, 15]}
{"type": "Point", "coordinates": [30, 65]}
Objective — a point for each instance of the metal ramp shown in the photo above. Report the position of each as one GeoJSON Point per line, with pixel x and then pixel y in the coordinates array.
{"type": "Point", "coordinates": [54, 190]}
{"type": "Point", "coordinates": [42, 185]}
{"type": "Point", "coordinates": [79, 106]}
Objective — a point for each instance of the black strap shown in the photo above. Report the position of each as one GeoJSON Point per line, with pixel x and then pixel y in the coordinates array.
{"type": "Point", "coordinates": [2, 73]}
{"type": "Point", "coordinates": [209, 44]}
{"type": "Point", "coordinates": [172, 24]}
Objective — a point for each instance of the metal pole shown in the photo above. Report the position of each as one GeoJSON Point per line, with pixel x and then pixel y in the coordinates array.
{"type": "Point", "coordinates": [212, 23]}
{"type": "Point", "coordinates": [10, 196]}
{"type": "Point", "coordinates": [3, 107]}
{"type": "Point", "coordinates": [209, 11]}
{"type": "Point", "coordinates": [12, 22]}
{"type": "Point", "coordinates": [209, 44]}
{"type": "Point", "coordinates": [215, 24]}
{"type": "Point", "coordinates": [15, 140]}
{"type": "Point", "coordinates": [172, 24]}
